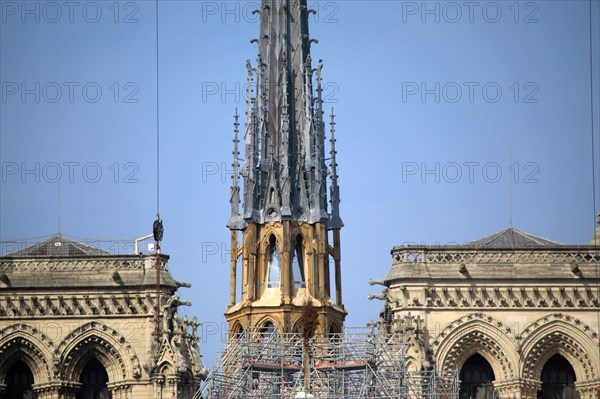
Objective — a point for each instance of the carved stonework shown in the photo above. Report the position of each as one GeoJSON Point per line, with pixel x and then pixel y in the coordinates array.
{"type": "Point", "coordinates": [495, 297]}
{"type": "Point", "coordinates": [515, 299]}
{"type": "Point", "coordinates": [57, 314]}
{"type": "Point", "coordinates": [48, 306]}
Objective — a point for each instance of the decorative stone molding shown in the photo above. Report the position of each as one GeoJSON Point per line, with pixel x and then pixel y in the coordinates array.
{"type": "Point", "coordinates": [104, 263]}
{"type": "Point", "coordinates": [20, 306]}
{"type": "Point", "coordinates": [588, 389]}
{"type": "Point", "coordinates": [476, 333]}
{"type": "Point", "coordinates": [517, 388]}
{"type": "Point", "coordinates": [495, 297]}
{"type": "Point", "coordinates": [498, 256]}
{"type": "Point", "coordinates": [571, 320]}
{"type": "Point", "coordinates": [115, 349]}
{"type": "Point", "coordinates": [33, 343]}
{"type": "Point", "coordinates": [562, 343]}
{"type": "Point", "coordinates": [564, 334]}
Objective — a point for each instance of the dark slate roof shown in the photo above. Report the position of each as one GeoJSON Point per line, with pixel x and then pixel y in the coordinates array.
{"type": "Point", "coordinates": [56, 246]}
{"type": "Point", "coordinates": [512, 238]}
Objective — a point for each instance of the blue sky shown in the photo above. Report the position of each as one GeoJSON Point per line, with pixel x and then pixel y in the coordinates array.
{"type": "Point", "coordinates": [429, 97]}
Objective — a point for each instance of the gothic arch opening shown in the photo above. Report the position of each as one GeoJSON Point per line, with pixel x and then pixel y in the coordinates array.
{"type": "Point", "coordinates": [334, 330]}
{"type": "Point", "coordinates": [19, 382]}
{"type": "Point", "coordinates": [273, 271]}
{"type": "Point", "coordinates": [476, 379]}
{"type": "Point", "coordinates": [558, 379]}
{"type": "Point", "coordinates": [93, 381]}
{"type": "Point", "coordinates": [237, 330]}
{"type": "Point", "coordinates": [267, 329]}
{"type": "Point", "coordinates": [298, 263]}
{"type": "Point", "coordinates": [330, 276]}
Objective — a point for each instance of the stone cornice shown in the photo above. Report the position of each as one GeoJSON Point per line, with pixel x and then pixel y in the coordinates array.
{"type": "Point", "coordinates": [464, 297]}
{"type": "Point", "coordinates": [91, 263]}
{"type": "Point", "coordinates": [467, 254]}
{"type": "Point", "coordinates": [71, 306]}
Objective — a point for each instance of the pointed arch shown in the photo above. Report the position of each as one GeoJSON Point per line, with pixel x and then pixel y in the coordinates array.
{"type": "Point", "coordinates": [476, 378]}
{"type": "Point", "coordinates": [298, 262]}
{"type": "Point", "coordinates": [96, 340]}
{"type": "Point", "coordinates": [334, 329]}
{"type": "Point", "coordinates": [481, 334]}
{"type": "Point", "coordinates": [19, 380]}
{"type": "Point", "coordinates": [236, 329]}
{"type": "Point", "coordinates": [30, 345]}
{"type": "Point", "coordinates": [563, 335]}
{"type": "Point", "coordinates": [273, 263]}
{"type": "Point", "coordinates": [411, 364]}
{"type": "Point", "coordinates": [266, 323]}
{"type": "Point", "coordinates": [93, 379]}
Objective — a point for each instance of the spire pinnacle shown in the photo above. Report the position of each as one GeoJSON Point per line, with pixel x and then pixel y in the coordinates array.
{"type": "Point", "coordinates": [335, 222]}
{"type": "Point", "coordinates": [235, 222]}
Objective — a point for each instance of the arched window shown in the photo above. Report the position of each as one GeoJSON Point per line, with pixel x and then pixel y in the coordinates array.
{"type": "Point", "coordinates": [330, 288]}
{"type": "Point", "coordinates": [237, 331]}
{"type": "Point", "coordinates": [298, 264]}
{"type": "Point", "coordinates": [476, 377]}
{"type": "Point", "coordinates": [19, 382]}
{"type": "Point", "coordinates": [558, 379]}
{"type": "Point", "coordinates": [93, 381]}
{"type": "Point", "coordinates": [334, 330]}
{"type": "Point", "coordinates": [274, 269]}
{"type": "Point", "coordinates": [267, 330]}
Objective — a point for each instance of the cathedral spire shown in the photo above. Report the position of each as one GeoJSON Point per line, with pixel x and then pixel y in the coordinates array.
{"type": "Point", "coordinates": [283, 259]}
{"type": "Point", "coordinates": [285, 177]}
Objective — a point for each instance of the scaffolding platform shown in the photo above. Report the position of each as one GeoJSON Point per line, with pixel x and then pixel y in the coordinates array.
{"type": "Point", "coordinates": [358, 364]}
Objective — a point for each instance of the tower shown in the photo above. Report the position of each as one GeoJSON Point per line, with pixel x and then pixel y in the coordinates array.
{"type": "Point", "coordinates": [287, 237]}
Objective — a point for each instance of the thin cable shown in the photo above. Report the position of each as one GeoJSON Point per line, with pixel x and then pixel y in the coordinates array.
{"type": "Point", "coordinates": [157, 226]}
{"type": "Point", "coordinates": [157, 120]}
{"type": "Point", "coordinates": [510, 201]}
{"type": "Point", "coordinates": [595, 242]}
{"type": "Point", "coordinates": [59, 177]}
{"type": "Point", "coordinates": [592, 117]}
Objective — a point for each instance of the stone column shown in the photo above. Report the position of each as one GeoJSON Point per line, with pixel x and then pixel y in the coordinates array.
{"type": "Point", "coordinates": [337, 256]}
{"type": "Point", "coordinates": [234, 258]}
{"type": "Point", "coordinates": [158, 381]}
{"type": "Point", "coordinates": [250, 261]}
{"type": "Point", "coordinates": [509, 389]}
{"type": "Point", "coordinates": [286, 250]}
{"type": "Point", "coordinates": [588, 389]}
{"type": "Point", "coordinates": [322, 259]}
{"type": "Point", "coordinates": [173, 390]}
{"type": "Point", "coordinates": [530, 388]}
{"type": "Point", "coordinates": [120, 391]}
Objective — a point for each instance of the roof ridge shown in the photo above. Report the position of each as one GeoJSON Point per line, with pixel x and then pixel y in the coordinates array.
{"type": "Point", "coordinates": [510, 238]}
{"type": "Point", "coordinates": [68, 247]}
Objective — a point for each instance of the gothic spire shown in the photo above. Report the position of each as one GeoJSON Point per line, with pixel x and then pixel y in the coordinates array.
{"type": "Point", "coordinates": [285, 175]}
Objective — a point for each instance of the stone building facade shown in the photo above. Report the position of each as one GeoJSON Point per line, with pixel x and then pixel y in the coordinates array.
{"type": "Point", "coordinates": [79, 323]}
{"type": "Point", "coordinates": [515, 314]}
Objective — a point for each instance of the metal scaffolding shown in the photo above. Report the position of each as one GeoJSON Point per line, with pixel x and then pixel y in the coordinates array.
{"type": "Point", "coordinates": [259, 364]}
